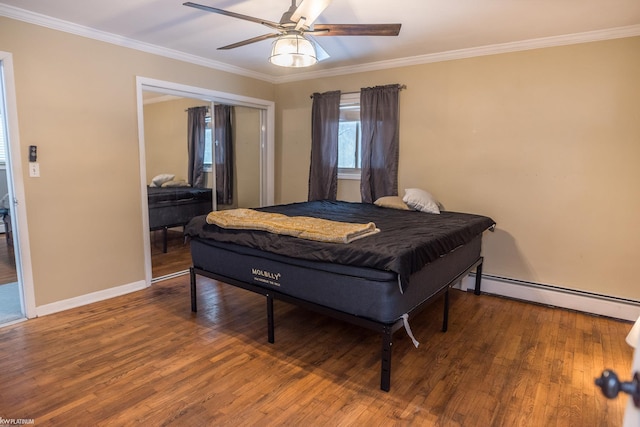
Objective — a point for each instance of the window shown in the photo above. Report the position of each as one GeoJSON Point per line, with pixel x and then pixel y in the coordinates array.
{"type": "Point", "coordinates": [349, 141]}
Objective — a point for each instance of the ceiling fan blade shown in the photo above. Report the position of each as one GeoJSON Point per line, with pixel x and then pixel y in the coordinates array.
{"type": "Point", "coordinates": [249, 41]}
{"type": "Point", "coordinates": [270, 24]}
{"type": "Point", "coordinates": [355, 30]}
{"type": "Point", "coordinates": [321, 54]}
{"type": "Point", "coordinates": [309, 10]}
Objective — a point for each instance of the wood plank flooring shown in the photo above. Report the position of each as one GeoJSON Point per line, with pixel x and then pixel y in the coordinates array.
{"type": "Point", "coordinates": [7, 262]}
{"type": "Point", "coordinates": [145, 359]}
{"type": "Point", "coordinates": [177, 257]}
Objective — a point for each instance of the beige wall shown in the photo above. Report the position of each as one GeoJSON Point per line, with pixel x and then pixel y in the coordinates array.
{"type": "Point", "coordinates": [547, 142]}
{"type": "Point", "coordinates": [246, 135]}
{"type": "Point", "coordinates": [76, 100]}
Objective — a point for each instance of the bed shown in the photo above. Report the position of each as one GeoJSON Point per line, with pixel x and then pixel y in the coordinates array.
{"type": "Point", "coordinates": [175, 206]}
{"type": "Point", "coordinates": [378, 282]}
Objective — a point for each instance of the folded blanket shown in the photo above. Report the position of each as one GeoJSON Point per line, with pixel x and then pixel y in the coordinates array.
{"type": "Point", "coordinates": [304, 227]}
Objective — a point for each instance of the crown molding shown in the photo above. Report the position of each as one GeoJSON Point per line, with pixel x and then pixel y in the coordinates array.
{"type": "Point", "coordinates": [80, 30]}
{"type": "Point", "coordinates": [539, 43]}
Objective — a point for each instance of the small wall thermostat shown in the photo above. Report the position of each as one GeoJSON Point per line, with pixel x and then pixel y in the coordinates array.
{"type": "Point", "coordinates": [33, 153]}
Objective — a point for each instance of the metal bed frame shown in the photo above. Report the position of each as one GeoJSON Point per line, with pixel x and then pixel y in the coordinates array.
{"type": "Point", "coordinates": [385, 329]}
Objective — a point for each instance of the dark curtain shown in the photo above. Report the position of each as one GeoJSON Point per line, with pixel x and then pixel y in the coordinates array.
{"type": "Point", "coordinates": [196, 140]}
{"type": "Point", "coordinates": [223, 143]}
{"type": "Point", "coordinates": [379, 118]}
{"type": "Point", "coordinates": [323, 173]}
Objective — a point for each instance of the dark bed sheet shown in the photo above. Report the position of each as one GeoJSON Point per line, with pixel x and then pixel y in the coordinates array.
{"type": "Point", "coordinates": [407, 241]}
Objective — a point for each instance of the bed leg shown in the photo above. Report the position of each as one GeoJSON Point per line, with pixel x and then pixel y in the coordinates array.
{"type": "Point", "coordinates": [385, 370]}
{"type": "Point", "coordinates": [194, 305]}
{"type": "Point", "coordinates": [164, 240]}
{"type": "Point", "coordinates": [270, 325]}
{"type": "Point", "coordinates": [478, 279]}
{"type": "Point", "coordinates": [445, 317]}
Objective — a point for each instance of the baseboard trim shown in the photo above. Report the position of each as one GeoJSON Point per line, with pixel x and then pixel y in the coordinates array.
{"type": "Point", "coordinates": [169, 276]}
{"type": "Point", "coordinates": [602, 305]}
{"type": "Point", "coordinates": [67, 304]}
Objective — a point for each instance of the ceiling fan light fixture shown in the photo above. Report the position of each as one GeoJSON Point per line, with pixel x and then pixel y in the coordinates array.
{"type": "Point", "coordinates": [293, 50]}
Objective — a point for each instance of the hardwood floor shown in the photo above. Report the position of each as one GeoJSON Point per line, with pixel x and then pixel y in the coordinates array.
{"type": "Point", "coordinates": [145, 359]}
{"type": "Point", "coordinates": [7, 262]}
{"type": "Point", "coordinates": [177, 257]}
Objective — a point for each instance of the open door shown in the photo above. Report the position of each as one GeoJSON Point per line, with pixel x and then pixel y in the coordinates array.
{"type": "Point", "coordinates": [612, 386]}
{"type": "Point", "coordinates": [632, 412]}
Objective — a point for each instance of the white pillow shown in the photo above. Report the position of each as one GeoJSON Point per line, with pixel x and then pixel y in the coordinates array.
{"type": "Point", "coordinates": [158, 180]}
{"type": "Point", "coordinates": [420, 200]}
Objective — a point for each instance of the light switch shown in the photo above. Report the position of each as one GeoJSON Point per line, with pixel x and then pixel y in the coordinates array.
{"type": "Point", "coordinates": [34, 169]}
{"type": "Point", "coordinates": [33, 153]}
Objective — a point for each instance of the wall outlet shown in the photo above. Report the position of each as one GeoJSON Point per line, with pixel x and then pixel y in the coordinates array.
{"type": "Point", "coordinates": [34, 169]}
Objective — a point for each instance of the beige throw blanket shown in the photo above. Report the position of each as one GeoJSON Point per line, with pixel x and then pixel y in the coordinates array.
{"type": "Point", "coordinates": [322, 230]}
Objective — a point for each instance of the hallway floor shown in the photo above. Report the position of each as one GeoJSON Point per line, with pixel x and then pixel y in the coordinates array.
{"type": "Point", "coordinates": [10, 308]}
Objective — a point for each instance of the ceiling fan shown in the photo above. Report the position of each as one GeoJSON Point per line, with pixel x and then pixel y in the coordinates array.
{"type": "Point", "coordinates": [293, 46]}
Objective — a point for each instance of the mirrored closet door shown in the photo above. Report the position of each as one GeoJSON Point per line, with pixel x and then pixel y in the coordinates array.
{"type": "Point", "coordinates": [232, 172]}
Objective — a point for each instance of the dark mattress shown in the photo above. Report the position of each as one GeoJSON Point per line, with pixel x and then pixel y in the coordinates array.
{"type": "Point", "coordinates": [174, 206]}
{"type": "Point", "coordinates": [358, 291]}
{"type": "Point", "coordinates": [168, 195]}
{"type": "Point", "coordinates": [407, 241]}
{"type": "Point", "coordinates": [361, 278]}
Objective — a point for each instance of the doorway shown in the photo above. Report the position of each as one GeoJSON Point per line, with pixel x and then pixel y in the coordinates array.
{"type": "Point", "coordinates": [253, 138]}
{"type": "Point", "coordinates": [16, 287]}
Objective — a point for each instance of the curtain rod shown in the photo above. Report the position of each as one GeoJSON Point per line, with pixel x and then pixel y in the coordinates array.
{"type": "Point", "coordinates": [198, 107]}
{"type": "Point", "coordinates": [401, 87]}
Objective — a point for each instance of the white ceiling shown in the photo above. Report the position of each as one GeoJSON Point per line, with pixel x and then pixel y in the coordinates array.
{"type": "Point", "coordinates": [431, 29]}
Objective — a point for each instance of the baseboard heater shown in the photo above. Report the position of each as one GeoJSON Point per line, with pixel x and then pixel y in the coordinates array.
{"type": "Point", "coordinates": [556, 296]}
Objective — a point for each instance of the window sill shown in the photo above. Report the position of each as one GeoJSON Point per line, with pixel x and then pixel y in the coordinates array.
{"type": "Point", "coordinates": [349, 175]}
